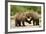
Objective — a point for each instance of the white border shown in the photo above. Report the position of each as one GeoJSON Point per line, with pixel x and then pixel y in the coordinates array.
{"type": "Point", "coordinates": [27, 29]}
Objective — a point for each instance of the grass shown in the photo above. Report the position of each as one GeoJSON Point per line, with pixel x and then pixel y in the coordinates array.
{"type": "Point", "coordinates": [17, 8]}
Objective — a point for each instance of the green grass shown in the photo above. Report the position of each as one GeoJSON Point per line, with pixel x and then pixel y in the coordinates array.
{"type": "Point", "coordinates": [17, 8]}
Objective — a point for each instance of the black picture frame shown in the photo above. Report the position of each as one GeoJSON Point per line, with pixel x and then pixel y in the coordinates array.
{"type": "Point", "coordinates": [6, 16]}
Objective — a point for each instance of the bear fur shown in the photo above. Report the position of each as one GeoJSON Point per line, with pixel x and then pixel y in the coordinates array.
{"type": "Point", "coordinates": [35, 17]}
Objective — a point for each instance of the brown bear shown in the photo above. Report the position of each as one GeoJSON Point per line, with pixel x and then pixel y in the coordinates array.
{"type": "Point", "coordinates": [35, 17]}
{"type": "Point", "coordinates": [20, 18]}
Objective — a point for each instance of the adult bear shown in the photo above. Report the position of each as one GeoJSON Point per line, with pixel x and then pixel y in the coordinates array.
{"type": "Point", "coordinates": [21, 18]}
{"type": "Point", "coordinates": [35, 17]}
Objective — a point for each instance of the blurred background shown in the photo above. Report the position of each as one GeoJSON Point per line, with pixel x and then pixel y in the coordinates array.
{"type": "Point", "coordinates": [18, 8]}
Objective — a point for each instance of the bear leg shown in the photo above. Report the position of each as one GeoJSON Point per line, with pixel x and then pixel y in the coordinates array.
{"type": "Point", "coordinates": [33, 22]}
{"type": "Point", "coordinates": [37, 22]}
{"type": "Point", "coordinates": [19, 23]}
{"type": "Point", "coordinates": [23, 23]}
